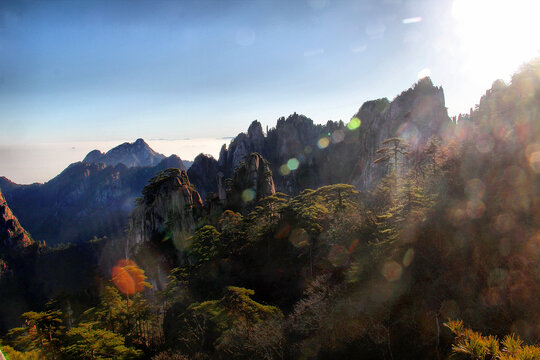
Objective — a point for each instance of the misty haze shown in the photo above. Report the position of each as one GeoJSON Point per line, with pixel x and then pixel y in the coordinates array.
{"type": "Point", "coordinates": [312, 179]}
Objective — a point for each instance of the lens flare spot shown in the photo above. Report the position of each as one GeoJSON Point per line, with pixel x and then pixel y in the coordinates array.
{"type": "Point", "coordinates": [424, 73]}
{"type": "Point", "coordinates": [493, 296]}
{"type": "Point", "coordinates": [475, 209]}
{"type": "Point", "coordinates": [532, 248]}
{"type": "Point", "coordinates": [248, 195]}
{"type": "Point", "coordinates": [456, 214]}
{"type": "Point", "coordinates": [408, 257]}
{"type": "Point", "coordinates": [475, 189]}
{"type": "Point", "coordinates": [392, 271]}
{"type": "Point", "coordinates": [338, 255]}
{"type": "Point", "coordinates": [534, 161]}
{"type": "Point", "coordinates": [323, 142]}
{"type": "Point", "coordinates": [293, 164]}
{"type": "Point", "coordinates": [353, 246]}
{"type": "Point", "coordinates": [354, 123]}
{"type": "Point", "coordinates": [411, 20]}
{"type": "Point", "coordinates": [380, 292]}
{"type": "Point", "coordinates": [307, 149]}
{"type": "Point", "coordinates": [284, 170]}
{"type": "Point", "coordinates": [128, 277]}
{"type": "Point", "coordinates": [515, 176]}
{"type": "Point", "coordinates": [282, 232]}
{"type": "Point", "coordinates": [123, 280]}
{"type": "Point", "coordinates": [504, 223]}
{"type": "Point", "coordinates": [299, 237]}
{"type": "Point", "coordinates": [409, 132]}
{"type": "Point", "coordinates": [484, 144]}
{"type": "Point", "coordinates": [531, 153]}
{"type": "Point", "coordinates": [338, 136]}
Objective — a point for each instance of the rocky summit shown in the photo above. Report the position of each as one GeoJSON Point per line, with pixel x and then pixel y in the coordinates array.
{"type": "Point", "coordinates": [203, 173]}
{"type": "Point", "coordinates": [251, 181]}
{"type": "Point", "coordinates": [169, 207]}
{"type": "Point", "coordinates": [303, 155]}
{"type": "Point", "coordinates": [138, 153]}
{"type": "Point", "coordinates": [89, 198]}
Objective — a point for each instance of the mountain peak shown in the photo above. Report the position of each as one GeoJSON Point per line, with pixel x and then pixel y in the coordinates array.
{"type": "Point", "coordinates": [93, 156]}
{"type": "Point", "coordinates": [169, 203]}
{"type": "Point", "coordinates": [255, 129]}
{"type": "Point", "coordinates": [138, 153]}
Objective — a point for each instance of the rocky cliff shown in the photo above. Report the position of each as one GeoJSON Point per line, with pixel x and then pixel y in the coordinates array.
{"type": "Point", "coordinates": [415, 115]}
{"type": "Point", "coordinates": [12, 234]}
{"type": "Point", "coordinates": [252, 180]}
{"type": "Point", "coordinates": [167, 210]}
{"type": "Point", "coordinates": [85, 200]}
{"type": "Point", "coordinates": [203, 174]}
{"type": "Point", "coordinates": [129, 154]}
{"type": "Point", "coordinates": [94, 197]}
{"type": "Point", "coordinates": [240, 147]}
{"type": "Point", "coordinates": [302, 154]}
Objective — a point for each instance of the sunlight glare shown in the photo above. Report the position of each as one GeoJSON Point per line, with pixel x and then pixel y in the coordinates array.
{"type": "Point", "coordinates": [424, 73]}
{"type": "Point", "coordinates": [496, 36]}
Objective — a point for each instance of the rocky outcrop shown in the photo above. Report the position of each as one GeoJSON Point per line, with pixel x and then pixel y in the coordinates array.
{"type": "Point", "coordinates": [129, 154]}
{"type": "Point", "coordinates": [85, 200]}
{"type": "Point", "coordinates": [303, 155]}
{"type": "Point", "coordinates": [240, 147]}
{"type": "Point", "coordinates": [252, 181]}
{"type": "Point", "coordinates": [12, 234]}
{"type": "Point", "coordinates": [203, 174]}
{"type": "Point", "coordinates": [93, 198]}
{"type": "Point", "coordinates": [415, 115]}
{"type": "Point", "coordinates": [172, 161]}
{"type": "Point", "coordinates": [168, 209]}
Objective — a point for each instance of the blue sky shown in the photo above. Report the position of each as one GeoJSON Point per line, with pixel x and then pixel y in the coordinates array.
{"type": "Point", "coordinates": [80, 71]}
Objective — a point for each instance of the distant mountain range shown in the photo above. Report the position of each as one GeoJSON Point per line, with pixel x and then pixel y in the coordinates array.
{"type": "Point", "coordinates": [95, 197]}
{"type": "Point", "coordinates": [129, 154]}
{"type": "Point", "coordinates": [89, 198]}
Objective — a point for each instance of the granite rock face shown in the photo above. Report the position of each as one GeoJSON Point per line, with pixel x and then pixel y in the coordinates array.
{"type": "Point", "coordinates": [240, 147]}
{"type": "Point", "coordinates": [303, 155]}
{"type": "Point", "coordinates": [252, 180]}
{"type": "Point", "coordinates": [85, 200]}
{"type": "Point", "coordinates": [94, 197]}
{"type": "Point", "coordinates": [169, 208]}
{"type": "Point", "coordinates": [129, 154]}
{"type": "Point", "coordinates": [415, 115]}
{"type": "Point", "coordinates": [12, 234]}
{"type": "Point", "coordinates": [203, 174]}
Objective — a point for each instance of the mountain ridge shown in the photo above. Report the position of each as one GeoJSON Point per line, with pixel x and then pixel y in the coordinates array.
{"type": "Point", "coordinates": [138, 153]}
{"type": "Point", "coordinates": [335, 152]}
{"type": "Point", "coordinates": [299, 154]}
{"type": "Point", "coordinates": [58, 210]}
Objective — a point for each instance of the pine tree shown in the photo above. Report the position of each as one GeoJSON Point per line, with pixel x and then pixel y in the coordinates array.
{"type": "Point", "coordinates": [88, 341]}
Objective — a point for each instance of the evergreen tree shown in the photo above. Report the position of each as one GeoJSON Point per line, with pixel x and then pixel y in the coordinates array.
{"type": "Point", "coordinates": [88, 341]}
